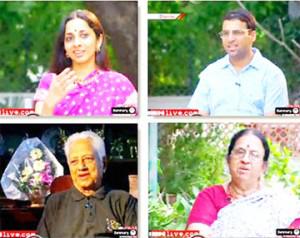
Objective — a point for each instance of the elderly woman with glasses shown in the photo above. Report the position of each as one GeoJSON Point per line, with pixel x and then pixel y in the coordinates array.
{"type": "Point", "coordinates": [245, 206]}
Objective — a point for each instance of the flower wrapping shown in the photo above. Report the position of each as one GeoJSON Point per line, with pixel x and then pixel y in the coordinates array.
{"type": "Point", "coordinates": [32, 167]}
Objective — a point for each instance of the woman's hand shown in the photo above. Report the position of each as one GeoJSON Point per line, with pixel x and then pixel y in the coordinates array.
{"type": "Point", "coordinates": [59, 88]}
{"type": "Point", "coordinates": [61, 85]}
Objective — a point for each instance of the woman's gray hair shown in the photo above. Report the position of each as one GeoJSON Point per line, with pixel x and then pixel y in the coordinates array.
{"type": "Point", "coordinates": [97, 143]}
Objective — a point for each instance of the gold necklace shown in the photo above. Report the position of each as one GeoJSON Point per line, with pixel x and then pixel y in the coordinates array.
{"type": "Point", "coordinates": [234, 194]}
{"type": "Point", "coordinates": [85, 81]}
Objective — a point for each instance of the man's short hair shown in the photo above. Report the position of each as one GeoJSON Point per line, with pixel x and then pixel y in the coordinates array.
{"type": "Point", "coordinates": [242, 15]}
{"type": "Point", "coordinates": [97, 143]}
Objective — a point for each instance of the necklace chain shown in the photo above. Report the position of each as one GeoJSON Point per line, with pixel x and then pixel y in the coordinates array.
{"type": "Point", "coordinates": [234, 194]}
{"type": "Point", "coordinates": [85, 81]}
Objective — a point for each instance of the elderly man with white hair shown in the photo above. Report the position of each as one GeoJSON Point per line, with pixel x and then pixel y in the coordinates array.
{"type": "Point", "coordinates": [88, 209]}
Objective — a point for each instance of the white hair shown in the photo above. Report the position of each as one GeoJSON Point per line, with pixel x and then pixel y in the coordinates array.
{"type": "Point", "coordinates": [97, 143]}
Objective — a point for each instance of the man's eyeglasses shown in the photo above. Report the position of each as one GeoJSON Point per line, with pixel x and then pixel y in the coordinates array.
{"type": "Point", "coordinates": [235, 33]}
{"type": "Point", "coordinates": [240, 153]}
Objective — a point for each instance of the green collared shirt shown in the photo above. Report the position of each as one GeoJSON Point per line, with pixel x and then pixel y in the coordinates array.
{"type": "Point", "coordinates": [71, 214]}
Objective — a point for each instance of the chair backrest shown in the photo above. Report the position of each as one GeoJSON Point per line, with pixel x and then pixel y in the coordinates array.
{"type": "Point", "coordinates": [61, 184]}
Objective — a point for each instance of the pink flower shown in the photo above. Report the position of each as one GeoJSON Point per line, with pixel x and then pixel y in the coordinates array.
{"type": "Point", "coordinates": [46, 178]}
{"type": "Point", "coordinates": [48, 168]}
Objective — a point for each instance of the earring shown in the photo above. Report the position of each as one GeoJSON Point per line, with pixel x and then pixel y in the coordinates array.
{"type": "Point", "coordinates": [67, 56]}
{"type": "Point", "coordinates": [98, 49]}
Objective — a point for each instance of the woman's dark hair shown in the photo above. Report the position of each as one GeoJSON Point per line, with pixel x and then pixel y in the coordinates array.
{"type": "Point", "coordinates": [257, 133]}
{"type": "Point", "coordinates": [242, 15]}
{"type": "Point", "coordinates": [60, 61]}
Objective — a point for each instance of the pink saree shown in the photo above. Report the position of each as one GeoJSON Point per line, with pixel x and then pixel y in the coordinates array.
{"type": "Point", "coordinates": [103, 91]}
{"type": "Point", "coordinates": [257, 215]}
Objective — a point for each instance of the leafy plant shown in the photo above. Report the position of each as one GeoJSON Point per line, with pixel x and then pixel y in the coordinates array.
{"type": "Point", "coordinates": [164, 215]}
{"type": "Point", "coordinates": [283, 169]}
{"type": "Point", "coordinates": [188, 159]}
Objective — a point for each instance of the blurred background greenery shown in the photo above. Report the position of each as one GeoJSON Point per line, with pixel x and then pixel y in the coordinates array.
{"type": "Point", "coordinates": [180, 49]}
{"type": "Point", "coordinates": [28, 34]}
{"type": "Point", "coordinates": [191, 156]}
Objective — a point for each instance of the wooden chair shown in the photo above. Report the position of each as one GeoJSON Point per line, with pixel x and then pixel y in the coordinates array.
{"type": "Point", "coordinates": [61, 184]}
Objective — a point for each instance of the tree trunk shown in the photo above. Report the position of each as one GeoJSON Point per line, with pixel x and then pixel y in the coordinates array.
{"type": "Point", "coordinates": [119, 20]}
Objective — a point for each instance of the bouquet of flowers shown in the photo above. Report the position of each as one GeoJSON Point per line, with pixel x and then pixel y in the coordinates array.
{"type": "Point", "coordinates": [32, 168]}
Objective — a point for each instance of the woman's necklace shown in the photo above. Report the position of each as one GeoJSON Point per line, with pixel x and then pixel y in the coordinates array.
{"type": "Point", "coordinates": [86, 80]}
{"type": "Point", "coordinates": [235, 194]}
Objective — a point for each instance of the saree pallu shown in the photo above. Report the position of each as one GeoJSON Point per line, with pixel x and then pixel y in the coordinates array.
{"type": "Point", "coordinates": [102, 91]}
{"type": "Point", "coordinates": [257, 215]}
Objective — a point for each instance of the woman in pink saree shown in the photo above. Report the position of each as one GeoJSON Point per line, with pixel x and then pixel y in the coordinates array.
{"type": "Point", "coordinates": [80, 82]}
{"type": "Point", "coordinates": [246, 206]}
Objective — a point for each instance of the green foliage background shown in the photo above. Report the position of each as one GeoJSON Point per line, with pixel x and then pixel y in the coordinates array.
{"type": "Point", "coordinates": [187, 160]}
{"type": "Point", "coordinates": [180, 50]}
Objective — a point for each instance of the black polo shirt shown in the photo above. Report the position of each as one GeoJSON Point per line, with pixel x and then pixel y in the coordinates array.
{"type": "Point", "coordinates": [71, 214]}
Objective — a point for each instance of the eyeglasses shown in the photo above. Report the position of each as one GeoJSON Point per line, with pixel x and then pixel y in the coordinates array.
{"type": "Point", "coordinates": [240, 153]}
{"type": "Point", "coordinates": [235, 33]}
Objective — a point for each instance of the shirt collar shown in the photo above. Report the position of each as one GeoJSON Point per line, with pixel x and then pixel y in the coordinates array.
{"type": "Point", "coordinates": [78, 196]}
{"type": "Point", "coordinates": [255, 62]}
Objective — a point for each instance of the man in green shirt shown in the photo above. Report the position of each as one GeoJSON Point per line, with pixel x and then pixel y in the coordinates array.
{"type": "Point", "coordinates": [88, 209]}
